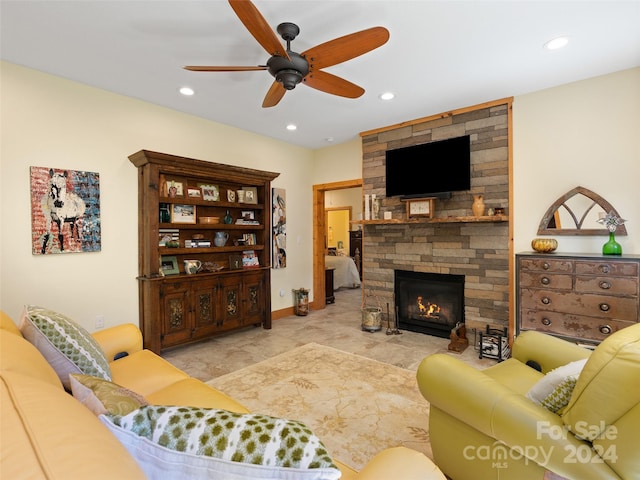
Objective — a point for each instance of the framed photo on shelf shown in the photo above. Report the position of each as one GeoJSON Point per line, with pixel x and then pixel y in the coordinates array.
{"type": "Point", "coordinates": [231, 195]}
{"type": "Point", "coordinates": [183, 213]}
{"type": "Point", "coordinates": [235, 262]}
{"type": "Point", "coordinates": [248, 215]}
{"type": "Point", "coordinates": [194, 192]}
{"type": "Point", "coordinates": [250, 259]}
{"type": "Point", "coordinates": [250, 195]}
{"type": "Point", "coordinates": [210, 192]}
{"type": "Point", "coordinates": [174, 189]}
{"type": "Point", "coordinates": [169, 265]}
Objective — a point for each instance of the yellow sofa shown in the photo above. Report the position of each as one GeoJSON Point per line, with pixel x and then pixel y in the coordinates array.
{"type": "Point", "coordinates": [482, 425]}
{"type": "Point", "coordinates": [46, 433]}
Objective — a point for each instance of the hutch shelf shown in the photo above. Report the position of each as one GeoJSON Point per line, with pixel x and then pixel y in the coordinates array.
{"type": "Point", "coordinates": [231, 290]}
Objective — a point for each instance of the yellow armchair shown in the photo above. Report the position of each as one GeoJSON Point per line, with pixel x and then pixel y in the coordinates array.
{"type": "Point", "coordinates": [482, 425]}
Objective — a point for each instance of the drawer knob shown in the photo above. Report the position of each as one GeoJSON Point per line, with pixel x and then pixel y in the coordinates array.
{"type": "Point", "coordinates": [605, 307]}
{"type": "Point", "coordinates": [547, 301]}
{"type": "Point", "coordinates": [605, 329]}
{"type": "Point", "coordinates": [546, 266]}
{"type": "Point", "coordinates": [546, 322]}
{"type": "Point", "coordinates": [545, 281]}
{"type": "Point", "coordinates": [605, 285]}
{"type": "Point", "coordinates": [605, 268]}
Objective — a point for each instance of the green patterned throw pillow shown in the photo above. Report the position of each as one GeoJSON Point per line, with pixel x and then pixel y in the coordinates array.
{"type": "Point", "coordinates": [104, 397]}
{"type": "Point", "coordinates": [67, 346]}
{"type": "Point", "coordinates": [560, 396]}
{"type": "Point", "coordinates": [553, 391]}
{"type": "Point", "coordinates": [209, 442]}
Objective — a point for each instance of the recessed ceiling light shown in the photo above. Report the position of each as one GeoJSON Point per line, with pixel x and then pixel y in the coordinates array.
{"type": "Point", "coordinates": [186, 91]}
{"type": "Point", "coordinates": [556, 43]}
{"type": "Point", "coordinates": [387, 96]}
{"type": "Point", "coordinates": [291, 127]}
{"type": "Point", "coordinates": [328, 139]}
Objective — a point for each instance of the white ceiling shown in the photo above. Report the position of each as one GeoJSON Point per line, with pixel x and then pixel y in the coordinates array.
{"type": "Point", "coordinates": [441, 55]}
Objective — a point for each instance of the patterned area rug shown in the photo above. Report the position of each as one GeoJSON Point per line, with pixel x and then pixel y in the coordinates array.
{"type": "Point", "coordinates": [357, 406]}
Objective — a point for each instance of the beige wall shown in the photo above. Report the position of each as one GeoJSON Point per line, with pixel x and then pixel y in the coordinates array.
{"type": "Point", "coordinates": [583, 133]}
{"type": "Point", "coordinates": [580, 134]}
{"type": "Point", "coordinates": [49, 121]}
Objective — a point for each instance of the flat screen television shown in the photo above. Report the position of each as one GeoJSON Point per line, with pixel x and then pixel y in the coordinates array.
{"type": "Point", "coordinates": [430, 169]}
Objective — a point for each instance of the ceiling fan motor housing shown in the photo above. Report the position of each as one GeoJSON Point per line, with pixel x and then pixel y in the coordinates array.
{"type": "Point", "coordinates": [288, 72]}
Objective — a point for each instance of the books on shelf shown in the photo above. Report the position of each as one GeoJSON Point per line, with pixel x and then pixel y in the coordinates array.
{"type": "Point", "coordinates": [197, 243]}
{"type": "Point", "coordinates": [250, 259]}
{"type": "Point", "coordinates": [242, 221]}
{"type": "Point", "coordinates": [249, 238]}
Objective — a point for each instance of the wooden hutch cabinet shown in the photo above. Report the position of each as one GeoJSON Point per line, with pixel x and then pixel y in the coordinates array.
{"type": "Point", "coordinates": [176, 198]}
{"type": "Point", "coordinates": [583, 298]}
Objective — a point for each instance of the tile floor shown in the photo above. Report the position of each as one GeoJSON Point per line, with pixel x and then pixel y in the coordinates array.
{"type": "Point", "coordinates": [338, 326]}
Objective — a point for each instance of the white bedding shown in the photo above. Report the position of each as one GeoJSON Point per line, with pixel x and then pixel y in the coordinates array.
{"type": "Point", "coordinates": [345, 273]}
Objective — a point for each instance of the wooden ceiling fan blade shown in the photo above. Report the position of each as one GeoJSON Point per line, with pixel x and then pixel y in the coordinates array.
{"type": "Point", "coordinates": [345, 48]}
{"type": "Point", "coordinates": [204, 68]}
{"type": "Point", "coordinates": [332, 84]}
{"type": "Point", "coordinates": [274, 95]}
{"type": "Point", "coordinates": [253, 20]}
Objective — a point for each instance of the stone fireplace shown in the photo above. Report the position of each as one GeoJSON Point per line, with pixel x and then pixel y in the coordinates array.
{"type": "Point", "coordinates": [453, 242]}
{"type": "Point", "coordinates": [431, 303]}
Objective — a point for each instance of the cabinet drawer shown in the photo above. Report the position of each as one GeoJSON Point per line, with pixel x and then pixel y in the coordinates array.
{"type": "Point", "coordinates": [567, 325]}
{"type": "Point", "coordinates": [546, 265]}
{"type": "Point", "coordinates": [544, 280]}
{"type": "Point", "coordinates": [608, 285]}
{"type": "Point", "coordinates": [602, 306]}
{"type": "Point", "coordinates": [607, 268]}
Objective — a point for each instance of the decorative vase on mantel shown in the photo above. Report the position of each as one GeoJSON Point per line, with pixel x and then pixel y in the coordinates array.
{"type": "Point", "coordinates": [478, 205]}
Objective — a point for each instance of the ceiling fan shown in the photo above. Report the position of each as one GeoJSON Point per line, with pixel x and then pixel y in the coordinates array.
{"type": "Point", "coordinates": [290, 68]}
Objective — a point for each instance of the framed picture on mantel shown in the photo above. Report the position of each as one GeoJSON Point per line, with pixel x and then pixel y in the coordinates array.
{"type": "Point", "coordinates": [420, 207]}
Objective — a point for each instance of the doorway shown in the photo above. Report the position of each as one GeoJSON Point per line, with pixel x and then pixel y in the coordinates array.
{"type": "Point", "coordinates": [320, 243]}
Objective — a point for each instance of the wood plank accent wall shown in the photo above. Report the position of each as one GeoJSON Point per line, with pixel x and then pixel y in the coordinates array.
{"type": "Point", "coordinates": [479, 251]}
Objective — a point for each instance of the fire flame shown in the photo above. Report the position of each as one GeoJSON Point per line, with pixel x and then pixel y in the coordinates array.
{"type": "Point", "coordinates": [430, 309]}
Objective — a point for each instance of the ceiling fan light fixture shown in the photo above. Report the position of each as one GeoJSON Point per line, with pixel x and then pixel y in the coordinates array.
{"type": "Point", "coordinates": [289, 78]}
{"type": "Point", "coordinates": [186, 91]}
{"type": "Point", "coordinates": [556, 43]}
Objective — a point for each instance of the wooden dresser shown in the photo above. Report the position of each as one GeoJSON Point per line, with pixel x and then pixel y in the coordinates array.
{"type": "Point", "coordinates": [579, 297]}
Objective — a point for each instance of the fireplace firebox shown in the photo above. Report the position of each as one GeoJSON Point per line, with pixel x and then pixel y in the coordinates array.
{"type": "Point", "coordinates": [431, 303]}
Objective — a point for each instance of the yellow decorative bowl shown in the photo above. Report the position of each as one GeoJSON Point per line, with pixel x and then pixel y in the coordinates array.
{"type": "Point", "coordinates": [209, 220]}
{"type": "Point", "coordinates": [544, 245]}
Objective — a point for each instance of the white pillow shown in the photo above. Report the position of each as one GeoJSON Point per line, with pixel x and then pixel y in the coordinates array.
{"type": "Point", "coordinates": [174, 443]}
{"type": "Point", "coordinates": [554, 390]}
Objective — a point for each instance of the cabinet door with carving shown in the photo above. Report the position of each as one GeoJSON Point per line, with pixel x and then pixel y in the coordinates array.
{"type": "Point", "coordinates": [253, 301]}
{"type": "Point", "coordinates": [230, 313]}
{"type": "Point", "coordinates": [205, 305]}
{"type": "Point", "coordinates": [175, 314]}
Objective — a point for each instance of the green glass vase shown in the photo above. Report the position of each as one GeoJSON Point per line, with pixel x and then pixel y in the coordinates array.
{"type": "Point", "coordinates": [612, 247]}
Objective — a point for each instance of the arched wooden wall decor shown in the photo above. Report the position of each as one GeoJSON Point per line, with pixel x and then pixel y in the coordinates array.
{"type": "Point", "coordinates": [578, 205]}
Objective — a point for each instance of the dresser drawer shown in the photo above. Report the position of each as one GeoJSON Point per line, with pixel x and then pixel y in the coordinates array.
{"type": "Point", "coordinates": [546, 265]}
{"type": "Point", "coordinates": [607, 268]}
{"type": "Point", "coordinates": [546, 280]}
{"type": "Point", "coordinates": [608, 285]}
{"type": "Point", "coordinates": [601, 306]}
{"type": "Point", "coordinates": [567, 325]}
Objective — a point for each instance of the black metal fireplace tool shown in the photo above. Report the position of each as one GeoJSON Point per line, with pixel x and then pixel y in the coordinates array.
{"type": "Point", "coordinates": [395, 330]}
